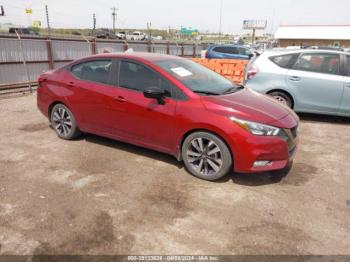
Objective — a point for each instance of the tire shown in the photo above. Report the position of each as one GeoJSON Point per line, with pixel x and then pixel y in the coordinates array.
{"type": "Point", "coordinates": [206, 156]}
{"type": "Point", "coordinates": [64, 123]}
{"type": "Point", "coordinates": [283, 98]}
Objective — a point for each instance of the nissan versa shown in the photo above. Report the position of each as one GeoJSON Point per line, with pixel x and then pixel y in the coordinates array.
{"type": "Point", "coordinates": [173, 105]}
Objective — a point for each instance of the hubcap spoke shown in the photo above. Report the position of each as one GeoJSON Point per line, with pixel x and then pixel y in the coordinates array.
{"type": "Point", "coordinates": [196, 146]}
{"type": "Point", "coordinates": [200, 165]}
{"type": "Point", "coordinates": [213, 165]}
{"type": "Point", "coordinates": [191, 153]}
{"type": "Point", "coordinates": [57, 127]}
{"type": "Point", "coordinates": [191, 160]}
{"type": "Point", "coordinates": [213, 151]}
{"type": "Point", "coordinates": [206, 168]}
{"type": "Point", "coordinates": [56, 116]}
{"type": "Point", "coordinates": [200, 143]}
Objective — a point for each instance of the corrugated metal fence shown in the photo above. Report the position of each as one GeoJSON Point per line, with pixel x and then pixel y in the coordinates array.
{"type": "Point", "coordinates": [45, 54]}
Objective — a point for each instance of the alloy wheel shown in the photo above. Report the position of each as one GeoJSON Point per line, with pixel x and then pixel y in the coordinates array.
{"type": "Point", "coordinates": [62, 122]}
{"type": "Point", "coordinates": [205, 156]}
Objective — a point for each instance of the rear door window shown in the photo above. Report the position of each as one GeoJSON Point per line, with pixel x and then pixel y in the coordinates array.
{"type": "Point", "coordinates": [326, 63]}
{"type": "Point", "coordinates": [96, 71]}
{"type": "Point", "coordinates": [282, 60]}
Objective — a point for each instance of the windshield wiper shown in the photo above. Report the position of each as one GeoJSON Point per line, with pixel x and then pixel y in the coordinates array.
{"type": "Point", "coordinates": [205, 92]}
{"type": "Point", "coordinates": [233, 89]}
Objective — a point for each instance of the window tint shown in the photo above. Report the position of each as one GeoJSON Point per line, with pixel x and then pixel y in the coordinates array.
{"type": "Point", "coordinates": [195, 77]}
{"type": "Point", "coordinates": [138, 77]}
{"type": "Point", "coordinates": [282, 60]}
{"type": "Point", "coordinates": [226, 49]}
{"type": "Point", "coordinates": [319, 63]}
{"type": "Point", "coordinates": [96, 71]}
{"type": "Point", "coordinates": [244, 51]}
{"type": "Point", "coordinates": [348, 65]}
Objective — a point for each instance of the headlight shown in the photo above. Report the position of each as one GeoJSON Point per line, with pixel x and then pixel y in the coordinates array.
{"type": "Point", "coordinates": [256, 128]}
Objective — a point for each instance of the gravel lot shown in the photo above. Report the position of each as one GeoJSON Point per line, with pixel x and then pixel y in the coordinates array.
{"type": "Point", "coordinates": [98, 196]}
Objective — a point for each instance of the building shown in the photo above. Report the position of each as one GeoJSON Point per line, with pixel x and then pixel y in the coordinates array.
{"type": "Point", "coordinates": [313, 35]}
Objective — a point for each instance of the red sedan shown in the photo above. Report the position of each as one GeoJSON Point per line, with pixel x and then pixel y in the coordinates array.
{"type": "Point", "coordinates": [172, 105]}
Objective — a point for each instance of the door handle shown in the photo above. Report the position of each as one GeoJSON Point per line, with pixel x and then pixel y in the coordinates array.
{"type": "Point", "coordinates": [294, 78]}
{"type": "Point", "coordinates": [70, 83]}
{"type": "Point", "coordinates": [347, 84]}
{"type": "Point", "coordinates": [120, 99]}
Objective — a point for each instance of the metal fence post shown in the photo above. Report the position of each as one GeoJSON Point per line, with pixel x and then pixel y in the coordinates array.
{"type": "Point", "coordinates": [194, 50]}
{"type": "Point", "coordinates": [182, 49]}
{"type": "Point", "coordinates": [93, 47]}
{"type": "Point", "coordinates": [149, 47]}
{"type": "Point", "coordinates": [24, 61]}
{"type": "Point", "coordinates": [168, 48]}
{"type": "Point", "coordinates": [49, 53]}
{"type": "Point", "coordinates": [126, 46]}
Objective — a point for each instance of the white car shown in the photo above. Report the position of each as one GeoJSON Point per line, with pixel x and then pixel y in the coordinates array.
{"type": "Point", "coordinates": [121, 35]}
{"type": "Point", "coordinates": [138, 36]}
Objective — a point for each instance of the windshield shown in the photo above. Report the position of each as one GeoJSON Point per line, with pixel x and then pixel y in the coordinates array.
{"type": "Point", "coordinates": [197, 77]}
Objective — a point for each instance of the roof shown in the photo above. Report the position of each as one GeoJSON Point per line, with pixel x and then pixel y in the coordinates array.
{"type": "Point", "coordinates": [284, 51]}
{"type": "Point", "coordinates": [140, 56]}
{"type": "Point", "coordinates": [319, 32]}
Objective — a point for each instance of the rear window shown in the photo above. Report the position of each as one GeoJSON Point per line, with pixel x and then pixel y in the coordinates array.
{"type": "Point", "coordinates": [282, 60]}
{"type": "Point", "coordinates": [226, 49]}
{"type": "Point", "coordinates": [95, 71]}
{"type": "Point", "coordinates": [325, 63]}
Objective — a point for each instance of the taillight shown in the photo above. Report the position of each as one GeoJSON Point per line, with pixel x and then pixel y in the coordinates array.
{"type": "Point", "coordinates": [41, 80]}
{"type": "Point", "coordinates": [252, 70]}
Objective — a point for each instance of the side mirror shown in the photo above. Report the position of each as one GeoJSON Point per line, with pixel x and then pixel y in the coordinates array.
{"type": "Point", "coordinates": [156, 93]}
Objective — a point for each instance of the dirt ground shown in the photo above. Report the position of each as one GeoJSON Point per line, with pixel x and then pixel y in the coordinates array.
{"type": "Point", "coordinates": [98, 196]}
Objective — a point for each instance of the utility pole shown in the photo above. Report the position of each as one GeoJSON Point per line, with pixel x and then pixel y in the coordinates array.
{"type": "Point", "coordinates": [94, 24]}
{"type": "Point", "coordinates": [2, 11]}
{"type": "Point", "coordinates": [114, 16]}
{"type": "Point", "coordinates": [149, 25]}
{"type": "Point", "coordinates": [220, 20]}
{"type": "Point", "coordinates": [48, 20]}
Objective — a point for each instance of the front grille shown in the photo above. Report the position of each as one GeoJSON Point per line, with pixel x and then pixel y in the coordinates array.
{"type": "Point", "coordinates": [294, 131]}
{"type": "Point", "coordinates": [289, 135]}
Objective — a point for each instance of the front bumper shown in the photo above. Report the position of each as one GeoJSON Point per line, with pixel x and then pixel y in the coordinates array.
{"type": "Point", "coordinates": [278, 152]}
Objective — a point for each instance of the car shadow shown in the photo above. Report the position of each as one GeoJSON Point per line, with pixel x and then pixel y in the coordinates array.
{"type": "Point", "coordinates": [341, 120]}
{"type": "Point", "coordinates": [255, 179]}
{"type": "Point", "coordinates": [149, 153]}
{"type": "Point", "coordinates": [252, 179]}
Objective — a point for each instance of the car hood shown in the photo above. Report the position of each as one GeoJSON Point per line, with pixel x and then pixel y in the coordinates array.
{"type": "Point", "coordinates": [253, 106]}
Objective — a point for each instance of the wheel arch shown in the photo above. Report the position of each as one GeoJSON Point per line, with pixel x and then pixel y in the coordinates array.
{"type": "Point", "coordinates": [285, 92]}
{"type": "Point", "coordinates": [52, 105]}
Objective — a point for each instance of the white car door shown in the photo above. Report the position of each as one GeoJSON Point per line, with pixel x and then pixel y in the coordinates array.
{"type": "Point", "coordinates": [317, 82]}
{"type": "Point", "coordinates": [345, 103]}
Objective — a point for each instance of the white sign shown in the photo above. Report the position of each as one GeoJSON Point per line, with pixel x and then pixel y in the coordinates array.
{"type": "Point", "coordinates": [254, 24]}
{"type": "Point", "coordinates": [180, 71]}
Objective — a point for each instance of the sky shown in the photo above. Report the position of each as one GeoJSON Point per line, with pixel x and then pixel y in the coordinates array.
{"type": "Point", "coordinates": [203, 15]}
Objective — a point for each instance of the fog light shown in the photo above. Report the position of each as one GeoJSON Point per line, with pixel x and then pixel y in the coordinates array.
{"type": "Point", "coordinates": [262, 163]}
